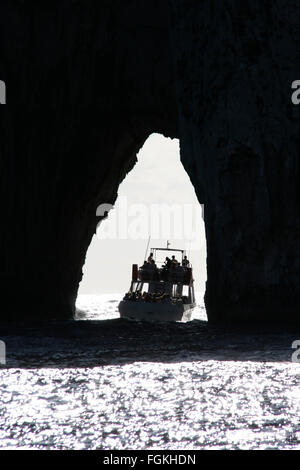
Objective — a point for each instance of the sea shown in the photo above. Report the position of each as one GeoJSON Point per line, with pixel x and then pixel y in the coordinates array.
{"type": "Point", "coordinates": [101, 382]}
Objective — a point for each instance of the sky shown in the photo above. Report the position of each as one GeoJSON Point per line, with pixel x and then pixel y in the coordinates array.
{"type": "Point", "coordinates": [156, 199]}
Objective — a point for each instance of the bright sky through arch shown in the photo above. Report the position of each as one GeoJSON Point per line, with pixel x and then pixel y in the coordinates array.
{"type": "Point", "coordinates": [158, 181]}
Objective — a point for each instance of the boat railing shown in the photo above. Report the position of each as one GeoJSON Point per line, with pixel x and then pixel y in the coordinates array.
{"type": "Point", "coordinates": [184, 276]}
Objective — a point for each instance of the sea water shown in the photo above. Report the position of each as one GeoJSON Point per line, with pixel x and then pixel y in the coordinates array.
{"type": "Point", "coordinates": [120, 384]}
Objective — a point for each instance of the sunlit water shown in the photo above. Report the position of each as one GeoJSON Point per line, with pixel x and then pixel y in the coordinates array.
{"type": "Point", "coordinates": [129, 386]}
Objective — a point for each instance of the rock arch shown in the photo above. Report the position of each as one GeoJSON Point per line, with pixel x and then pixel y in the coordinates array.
{"type": "Point", "coordinates": [89, 81]}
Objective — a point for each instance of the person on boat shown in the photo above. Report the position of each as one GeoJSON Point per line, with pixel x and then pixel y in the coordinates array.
{"type": "Point", "coordinates": [185, 262]}
{"type": "Point", "coordinates": [178, 299]}
{"type": "Point", "coordinates": [153, 271]}
{"type": "Point", "coordinates": [138, 295]}
{"type": "Point", "coordinates": [177, 273]}
{"type": "Point", "coordinates": [149, 270]}
{"type": "Point", "coordinates": [150, 258]}
{"type": "Point", "coordinates": [179, 269]}
{"type": "Point", "coordinates": [152, 265]}
{"type": "Point", "coordinates": [165, 268]}
{"type": "Point", "coordinates": [174, 262]}
{"type": "Point", "coordinates": [144, 296]}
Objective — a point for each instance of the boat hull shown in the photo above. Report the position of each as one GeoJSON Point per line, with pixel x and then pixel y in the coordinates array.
{"type": "Point", "coordinates": [151, 311]}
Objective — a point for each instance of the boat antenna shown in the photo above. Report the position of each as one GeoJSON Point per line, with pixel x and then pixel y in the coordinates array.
{"type": "Point", "coordinates": [147, 247]}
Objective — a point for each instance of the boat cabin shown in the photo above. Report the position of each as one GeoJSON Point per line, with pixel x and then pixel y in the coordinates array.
{"type": "Point", "coordinates": [163, 278]}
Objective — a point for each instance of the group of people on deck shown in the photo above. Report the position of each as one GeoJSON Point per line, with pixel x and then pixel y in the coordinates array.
{"type": "Point", "coordinates": [169, 263]}
{"type": "Point", "coordinates": [173, 263]}
{"type": "Point", "coordinates": [148, 296]}
{"type": "Point", "coordinates": [172, 272]}
{"type": "Point", "coordinates": [171, 266]}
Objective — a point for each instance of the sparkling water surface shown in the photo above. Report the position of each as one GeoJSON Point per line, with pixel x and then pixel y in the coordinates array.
{"type": "Point", "coordinates": [133, 386]}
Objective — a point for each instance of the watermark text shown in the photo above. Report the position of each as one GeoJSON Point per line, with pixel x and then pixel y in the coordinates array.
{"type": "Point", "coordinates": [2, 92]}
{"type": "Point", "coordinates": [296, 354]}
{"type": "Point", "coordinates": [2, 353]}
{"type": "Point", "coordinates": [136, 221]}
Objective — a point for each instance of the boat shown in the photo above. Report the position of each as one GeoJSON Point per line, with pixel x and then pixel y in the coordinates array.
{"type": "Point", "coordinates": [160, 290]}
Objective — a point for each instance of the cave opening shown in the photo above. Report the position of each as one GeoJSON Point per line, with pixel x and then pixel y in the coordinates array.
{"type": "Point", "coordinates": [157, 200]}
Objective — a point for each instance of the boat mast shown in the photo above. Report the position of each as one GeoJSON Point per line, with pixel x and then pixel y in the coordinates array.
{"type": "Point", "coordinates": [147, 248]}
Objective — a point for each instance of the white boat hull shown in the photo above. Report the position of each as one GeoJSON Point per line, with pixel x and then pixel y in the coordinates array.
{"type": "Point", "coordinates": [151, 311]}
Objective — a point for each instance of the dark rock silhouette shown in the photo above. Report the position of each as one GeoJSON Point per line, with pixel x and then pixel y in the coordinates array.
{"type": "Point", "coordinates": [88, 81]}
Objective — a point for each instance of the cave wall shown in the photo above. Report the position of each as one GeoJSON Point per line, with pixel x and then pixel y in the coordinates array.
{"type": "Point", "coordinates": [235, 62]}
{"type": "Point", "coordinates": [87, 83]}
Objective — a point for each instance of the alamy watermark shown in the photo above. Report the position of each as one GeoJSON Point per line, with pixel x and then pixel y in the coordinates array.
{"type": "Point", "coordinates": [136, 221]}
{"type": "Point", "coordinates": [2, 353]}
{"type": "Point", "coordinates": [296, 354]}
{"type": "Point", "coordinates": [296, 94]}
{"type": "Point", "coordinates": [2, 92]}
